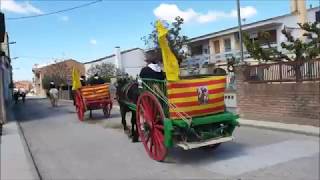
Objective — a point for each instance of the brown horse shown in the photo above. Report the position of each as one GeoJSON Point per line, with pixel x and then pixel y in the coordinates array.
{"type": "Point", "coordinates": [127, 93]}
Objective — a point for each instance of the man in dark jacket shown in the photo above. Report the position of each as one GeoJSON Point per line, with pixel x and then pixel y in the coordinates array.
{"type": "Point", "coordinates": [96, 80]}
{"type": "Point", "coordinates": [83, 80]}
{"type": "Point", "coordinates": [152, 71]}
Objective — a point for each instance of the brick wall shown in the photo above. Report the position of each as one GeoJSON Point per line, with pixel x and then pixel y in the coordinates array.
{"type": "Point", "coordinates": [296, 103]}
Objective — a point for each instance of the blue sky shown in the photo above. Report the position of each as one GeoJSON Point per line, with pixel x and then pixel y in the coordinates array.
{"type": "Point", "coordinates": [92, 32]}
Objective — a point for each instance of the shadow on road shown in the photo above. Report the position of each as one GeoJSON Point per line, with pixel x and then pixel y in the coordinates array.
{"type": "Point", "coordinates": [40, 109]}
{"type": "Point", "coordinates": [201, 156]}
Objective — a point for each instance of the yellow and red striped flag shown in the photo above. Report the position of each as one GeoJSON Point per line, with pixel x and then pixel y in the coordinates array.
{"type": "Point", "coordinates": [197, 97]}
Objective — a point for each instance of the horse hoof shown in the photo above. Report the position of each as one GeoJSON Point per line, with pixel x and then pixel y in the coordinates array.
{"type": "Point", "coordinates": [134, 140]}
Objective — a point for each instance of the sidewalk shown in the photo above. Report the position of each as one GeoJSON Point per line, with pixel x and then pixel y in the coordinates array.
{"type": "Point", "coordinates": [295, 128]}
{"type": "Point", "coordinates": [15, 162]}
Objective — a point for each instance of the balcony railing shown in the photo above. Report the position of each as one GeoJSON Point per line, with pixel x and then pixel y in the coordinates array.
{"type": "Point", "coordinates": [199, 60]}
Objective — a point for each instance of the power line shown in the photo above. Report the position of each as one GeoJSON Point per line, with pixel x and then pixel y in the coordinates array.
{"type": "Point", "coordinates": [56, 12]}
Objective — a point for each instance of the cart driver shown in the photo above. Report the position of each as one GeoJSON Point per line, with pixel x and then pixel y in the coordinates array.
{"type": "Point", "coordinates": [97, 80]}
{"type": "Point", "coordinates": [152, 71]}
{"type": "Point", "coordinates": [83, 80]}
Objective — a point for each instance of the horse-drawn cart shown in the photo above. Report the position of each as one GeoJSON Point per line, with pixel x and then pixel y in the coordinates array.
{"type": "Point", "coordinates": [188, 113]}
{"type": "Point", "coordinates": [92, 98]}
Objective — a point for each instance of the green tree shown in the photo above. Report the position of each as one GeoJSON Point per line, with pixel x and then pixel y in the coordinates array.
{"type": "Point", "coordinates": [175, 38]}
{"type": "Point", "coordinates": [104, 70]}
{"type": "Point", "coordinates": [302, 49]}
{"type": "Point", "coordinates": [58, 73]}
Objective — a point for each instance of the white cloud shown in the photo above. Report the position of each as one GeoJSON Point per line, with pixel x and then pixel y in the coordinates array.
{"type": "Point", "coordinates": [246, 12]}
{"type": "Point", "coordinates": [93, 41]}
{"type": "Point", "coordinates": [20, 8]}
{"type": "Point", "coordinates": [169, 11]}
{"type": "Point", "coordinates": [65, 18]}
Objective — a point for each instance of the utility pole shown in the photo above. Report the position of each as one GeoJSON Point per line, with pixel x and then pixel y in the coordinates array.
{"type": "Point", "coordinates": [240, 31]}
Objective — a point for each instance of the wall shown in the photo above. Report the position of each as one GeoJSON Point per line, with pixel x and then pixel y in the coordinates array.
{"type": "Point", "coordinates": [39, 73]}
{"type": "Point", "coordinates": [27, 85]}
{"type": "Point", "coordinates": [106, 60]}
{"type": "Point", "coordinates": [5, 93]}
{"type": "Point", "coordinates": [132, 61]}
{"type": "Point", "coordinates": [293, 103]}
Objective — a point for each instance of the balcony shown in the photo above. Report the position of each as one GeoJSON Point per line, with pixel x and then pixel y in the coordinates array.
{"type": "Point", "coordinates": [200, 60]}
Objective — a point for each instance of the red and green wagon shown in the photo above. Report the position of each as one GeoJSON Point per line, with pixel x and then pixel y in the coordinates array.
{"type": "Point", "coordinates": [189, 113]}
{"type": "Point", "coordinates": [93, 97]}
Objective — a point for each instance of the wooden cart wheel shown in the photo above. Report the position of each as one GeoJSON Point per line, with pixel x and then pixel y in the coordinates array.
{"type": "Point", "coordinates": [79, 107]}
{"type": "Point", "coordinates": [150, 125]}
{"type": "Point", "coordinates": [107, 110]}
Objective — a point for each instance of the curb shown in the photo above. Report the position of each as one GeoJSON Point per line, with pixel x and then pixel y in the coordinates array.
{"type": "Point", "coordinates": [294, 128]}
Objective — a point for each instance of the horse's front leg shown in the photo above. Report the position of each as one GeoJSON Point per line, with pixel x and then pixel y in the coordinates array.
{"type": "Point", "coordinates": [123, 118]}
{"type": "Point", "coordinates": [134, 129]}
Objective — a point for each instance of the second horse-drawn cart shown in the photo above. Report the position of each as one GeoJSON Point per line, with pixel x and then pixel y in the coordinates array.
{"type": "Point", "coordinates": [92, 98]}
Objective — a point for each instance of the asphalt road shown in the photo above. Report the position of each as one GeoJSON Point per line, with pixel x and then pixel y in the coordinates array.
{"type": "Point", "coordinates": [65, 148]}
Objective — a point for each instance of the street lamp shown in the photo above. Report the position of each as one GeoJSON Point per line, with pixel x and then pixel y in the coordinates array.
{"type": "Point", "coordinates": [14, 58]}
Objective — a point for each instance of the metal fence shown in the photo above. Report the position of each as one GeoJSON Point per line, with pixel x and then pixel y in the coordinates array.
{"type": "Point", "coordinates": [284, 72]}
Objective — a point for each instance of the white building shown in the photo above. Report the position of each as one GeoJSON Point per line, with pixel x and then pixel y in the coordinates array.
{"type": "Point", "coordinates": [130, 61]}
{"type": "Point", "coordinates": [214, 48]}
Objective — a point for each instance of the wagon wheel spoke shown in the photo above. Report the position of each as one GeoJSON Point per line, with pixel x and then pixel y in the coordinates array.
{"type": "Point", "coordinates": [158, 143]}
{"type": "Point", "coordinates": [146, 111]}
{"type": "Point", "coordinates": [151, 145]}
{"type": "Point", "coordinates": [146, 107]}
{"type": "Point", "coordinates": [159, 127]}
{"type": "Point", "coordinates": [155, 147]}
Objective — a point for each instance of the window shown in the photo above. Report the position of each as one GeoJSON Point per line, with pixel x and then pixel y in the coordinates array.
{"type": "Point", "coordinates": [216, 46]}
{"type": "Point", "coordinates": [227, 45]}
{"type": "Point", "coordinates": [272, 37]}
{"type": "Point", "coordinates": [196, 50]}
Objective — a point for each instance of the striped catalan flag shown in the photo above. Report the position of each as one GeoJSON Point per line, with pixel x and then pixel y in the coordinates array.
{"type": "Point", "coordinates": [197, 97]}
{"type": "Point", "coordinates": [95, 92]}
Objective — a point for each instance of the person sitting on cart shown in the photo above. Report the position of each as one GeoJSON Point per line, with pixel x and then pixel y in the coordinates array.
{"type": "Point", "coordinates": [83, 80]}
{"type": "Point", "coordinates": [96, 80]}
{"type": "Point", "coordinates": [152, 71]}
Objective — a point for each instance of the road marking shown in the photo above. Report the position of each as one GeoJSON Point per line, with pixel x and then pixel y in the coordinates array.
{"type": "Point", "coordinates": [262, 157]}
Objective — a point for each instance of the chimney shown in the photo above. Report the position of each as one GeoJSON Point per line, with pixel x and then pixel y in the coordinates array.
{"type": "Point", "coordinates": [118, 60]}
{"type": "Point", "coordinates": [298, 8]}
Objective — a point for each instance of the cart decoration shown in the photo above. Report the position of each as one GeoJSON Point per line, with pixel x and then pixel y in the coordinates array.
{"type": "Point", "coordinates": [196, 97]}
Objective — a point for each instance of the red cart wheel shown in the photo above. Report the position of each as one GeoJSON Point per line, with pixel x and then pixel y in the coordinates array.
{"type": "Point", "coordinates": [79, 107]}
{"type": "Point", "coordinates": [106, 110]}
{"type": "Point", "coordinates": [150, 125]}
